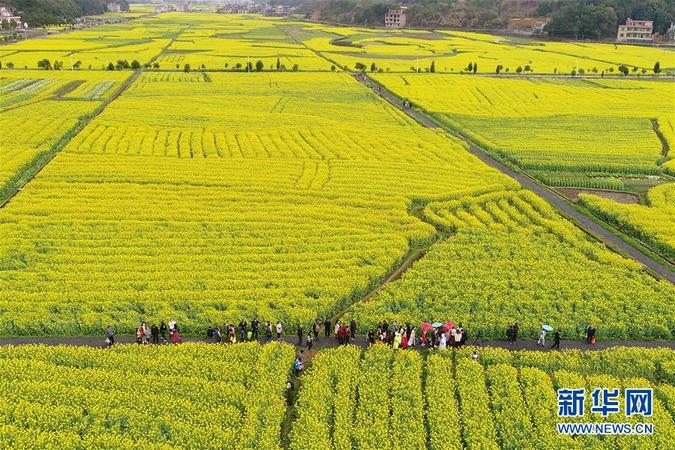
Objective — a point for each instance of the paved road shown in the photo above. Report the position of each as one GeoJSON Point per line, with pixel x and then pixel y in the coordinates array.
{"type": "Point", "coordinates": [323, 342]}
{"type": "Point", "coordinates": [556, 200]}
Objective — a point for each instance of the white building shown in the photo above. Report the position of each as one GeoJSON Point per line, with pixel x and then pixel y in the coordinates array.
{"type": "Point", "coordinates": [183, 6]}
{"type": "Point", "coordinates": [635, 31]}
{"type": "Point", "coordinates": [670, 34]}
{"type": "Point", "coordinates": [114, 7]}
{"type": "Point", "coordinates": [396, 18]}
{"type": "Point", "coordinates": [7, 15]}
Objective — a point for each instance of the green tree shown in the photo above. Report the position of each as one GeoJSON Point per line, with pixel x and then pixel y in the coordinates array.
{"type": "Point", "coordinates": [475, 68]}
{"type": "Point", "coordinates": [10, 65]}
{"type": "Point", "coordinates": [373, 67]}
{"type": "Point", "coordinates": [249, 66]}
{"type": "Point", "coordinates": [623, 69]}
{"type": "Point", "coordinates": [44, 64]}
{"type": "Point", "coordinates": [111, 66]}
{"type": "Point", "coordinates": [295, 68]}
{"type": "Point", "coordinates": [135, 65]}
{"type": "Point", "coordinates": [332, 68]}
{"type": "Point", "coordinates": [259, 66]}
{"type": "Point", "coordinates": [278, 64]}
{"type": "Point", "coordinates": [499, 68]}
{"type": "Point", "coordinates": [470, 67]}
{"type": "Point", "coordinates": [186, 68]}
{"type": "Point", "coordinates": [657, 67]}
{"type": "Point", "coordinates": [519, 69]}
{"type": "Point", "coordinates": [432, 67]}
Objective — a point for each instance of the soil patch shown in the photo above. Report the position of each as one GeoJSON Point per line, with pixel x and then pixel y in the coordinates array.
{"type": "Point", "coordinates": [621, 197]}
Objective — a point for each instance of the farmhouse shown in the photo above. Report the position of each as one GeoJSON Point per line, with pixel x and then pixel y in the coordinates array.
{"type": "Point", "coordinates": [396, 18]}
{"type": "Point", "coordinates": [635, 31]}
{"type": "Point", "coordinates": [7, 16]}
{"type": "Point", "coordinates": [183, 6]}
{"type": "Point", "coordinates": [114, 7]}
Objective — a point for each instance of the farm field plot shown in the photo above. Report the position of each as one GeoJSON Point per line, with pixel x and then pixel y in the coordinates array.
{"type": "Point", "coordinates": [583, 133]}
{"type": "Point", "coordinates": [91, 49]}
{"type": "Point", "coordinates": [188, 396]}
{"type": "Point", "coordinates": [383, 398]}
{"type": "Point", "coordinates": [42, 107]}
{"type": "Point", "coordinates": [213, 43]}
{"type": "Point", "coordinates": [513, 259]}
{"type": "Point", "coordinates": [264, 213]}
{"type": "Point", "coordinates": [453, 51]}
{"type": "Point", "coordinates": [653, 223]}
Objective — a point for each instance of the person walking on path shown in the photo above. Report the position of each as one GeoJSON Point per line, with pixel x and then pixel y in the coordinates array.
{"type": "Point", "coordinates": [317, 328]}
{"type": "Point", "coordinates": [175, 336]}
{"type": "Point", "coordinates": [268, 331]}
{"type": "Point", "coordinates": [279, 330]}
{"type": "Point", "coordinates": [514, 335]}
{"type": "Point", "coordinates": [310, 341]}
{"type": "Point", "coordinates": [298, 365]}
{"type": "Point", "coordinates": [352, 328]}
{"type": "Point", "coordinates": [509, 334]}
{"type": "Point", "coordinates": [243, 327]}
{"type": "Point", "coordinates": [556, 340]}
{"type": "Point", "coordinates": [341, 334]}
{"type": "Point", "coordinates": [590, 334]}
{"type": "Point", "coordinates": [397, 340]}
{"type": "Point", "coordinates": [459, 336]}
{"type": "Point", "coordinates": [411, 337]}
{"type": "Point", "coordinates": [154, 332]}
{"type": "Point", "coordinates": [326, 327]}
{"type": "Point", "coordinates": [300, 333]}
{"type": "Point", "coordinates": [443, 342]}
{"type": "Point", "coordinates": [162, 330]}
{"type": "Point", "coordinates": [255, 325]}
{"type": "Point", "coordinates": [110, 336]}
{"type": "Point", "coordinates": [542, 337]}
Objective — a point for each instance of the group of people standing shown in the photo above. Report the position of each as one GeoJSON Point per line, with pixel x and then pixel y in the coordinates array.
{"type": "Point", "coordinates": [397, 336]}
{"type": "Point", "coordinates": [153, 334]}
{"type": "Point", "coordinates": [245, 331]}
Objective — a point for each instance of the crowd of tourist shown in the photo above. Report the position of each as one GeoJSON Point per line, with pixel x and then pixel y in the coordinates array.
{"type": "Point", "coordinates": [399, 336]}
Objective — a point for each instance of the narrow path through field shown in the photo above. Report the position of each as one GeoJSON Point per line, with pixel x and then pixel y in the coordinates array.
{"type": "Point", "coordinates": [559, 202]}
{"type": "Point", "coordinates": [413, 255]}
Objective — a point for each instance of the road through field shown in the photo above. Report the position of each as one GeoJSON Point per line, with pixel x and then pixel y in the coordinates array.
{"type": "Point", "coordinates": [581, 220]}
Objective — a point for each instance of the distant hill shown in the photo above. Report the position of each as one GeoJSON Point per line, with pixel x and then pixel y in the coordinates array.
{"type": "Point", "coordinates": [594, 19]}
{"type": "Point", "coordinates": [47, 12]}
